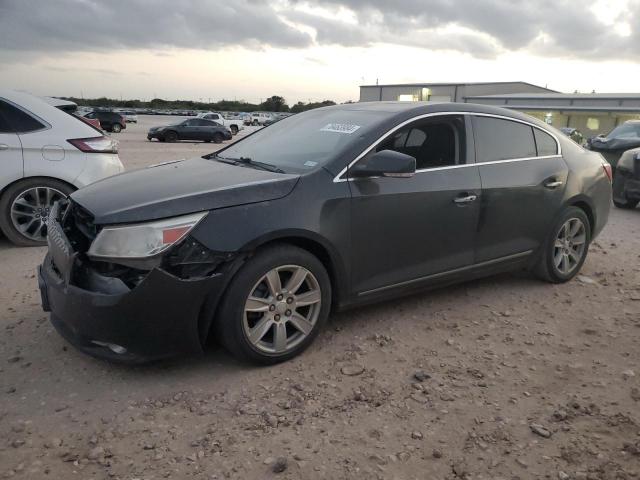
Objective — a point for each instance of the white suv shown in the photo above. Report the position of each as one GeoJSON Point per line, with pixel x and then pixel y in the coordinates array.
{"type": "Point", "coordinates": [45, 154]}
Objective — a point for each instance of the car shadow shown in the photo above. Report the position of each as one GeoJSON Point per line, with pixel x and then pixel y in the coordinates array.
{"type": "Point", "coordinates": [216, 361]}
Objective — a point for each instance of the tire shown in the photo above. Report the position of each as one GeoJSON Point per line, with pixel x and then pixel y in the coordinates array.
{"type": "Point", "coordinates": [171, 136]}
{"type": "Point", "coordinates": [234, 129]}
{"type": "Point", "coordinates": [555, 247]}
{"type": "Point", "coordinates": [234, 325]}
{"type": "Point", "coordinates": [116, 128]}
{"type": "Point", "coordinates": [627, 204]}
{"type": "Point", "coordinates": [218, 137]}
{"type": "Point", "coordinates": [255, 123]}
{"type": "Point", "coordinates": [48, 191]}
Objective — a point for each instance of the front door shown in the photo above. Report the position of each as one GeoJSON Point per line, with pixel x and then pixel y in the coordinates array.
{"type": "Point", "coordinates": [405, 230]}
{"type": "Point", "coordinates": [523, 179]}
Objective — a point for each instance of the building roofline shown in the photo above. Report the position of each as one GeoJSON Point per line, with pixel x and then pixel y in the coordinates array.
{"type": "Point", "coordinates": [453, 84]}
{"type": "Point", "coordinates": [568, 108]}
{"type": "Point", "coordinates": [556, 96]}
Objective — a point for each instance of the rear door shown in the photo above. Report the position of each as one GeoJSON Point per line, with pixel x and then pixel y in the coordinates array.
{"type": "Point", "coordinates": [523, 179]}
{"type": "Point", "coordinates": [11, 163]}
{"type": "Point", "coordinates": [408, 230]}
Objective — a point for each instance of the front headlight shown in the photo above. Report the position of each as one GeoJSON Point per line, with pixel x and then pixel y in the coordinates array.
{"type": "Point", "coordinates": [142, 240]}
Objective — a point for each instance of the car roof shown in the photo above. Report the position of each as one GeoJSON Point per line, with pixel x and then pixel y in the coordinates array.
{"type": "Point", "coordinates": [55, 117]}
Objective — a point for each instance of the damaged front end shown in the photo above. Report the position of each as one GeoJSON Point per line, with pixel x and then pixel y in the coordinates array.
{"type": "Point", "coordinates": [129, 309]}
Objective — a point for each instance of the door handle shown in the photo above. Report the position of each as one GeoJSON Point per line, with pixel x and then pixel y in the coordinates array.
{"type": "Point", "coordinates": [4, 146]}
{"type": "Point", "coordinates": [466, 199]}
{"type": "Point", "coordinates": [553, 184]}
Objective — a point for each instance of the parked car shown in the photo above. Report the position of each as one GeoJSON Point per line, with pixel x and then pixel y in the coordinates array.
{"type": "Point", "coordinates": [622, 138]}
{"type": "Point", "coordinates": [45, 154]}
{"type": "Point", "coordinates": [94, 122]}
{"type": "Point", "coordinates": [235, 125]}
{"type": "Point", "coordinates": [333, 208]}
{"type": "Point", "coordinates": [574, 134]}
{"type": "Point", "coordinates": [129, 116]}
{"type": "Point", "coordinates": [258, 118]}
{"type": "Point", "coordinates": [110, 121]}
{"type": "Point", "coordinates": [626, 180]}
{"type": "Point", "coordinates": [191, 129]}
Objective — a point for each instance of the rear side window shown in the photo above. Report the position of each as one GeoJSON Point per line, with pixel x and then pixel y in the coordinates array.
{"type": "Point", "coordinates": [498, 139]}
{"type": "Point", "coordinates": [4, 125]}
{"type": "Point", "coordinates": [545, 143]}
{"type": "Point", "coordinates": [17, 120]}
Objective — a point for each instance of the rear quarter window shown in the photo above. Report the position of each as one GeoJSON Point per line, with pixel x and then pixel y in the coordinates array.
{"type": "Point", "coordinates": [545, 143]}
{"type": "Point", "coordinates": [17, 120]}
{"type": "Point", "coordinates": [498, 139]}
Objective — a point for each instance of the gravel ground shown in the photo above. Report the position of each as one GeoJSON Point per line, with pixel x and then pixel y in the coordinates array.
{"type": "Point", "coordinates": [502, 378]}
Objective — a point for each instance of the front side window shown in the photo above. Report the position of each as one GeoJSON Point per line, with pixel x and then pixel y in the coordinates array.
{"type": "Point", "coordinates": [545, 143]}
{"type": "Point", "coordinates": [498, 139]}
{"type": "Point", "coordinates": [432, 142]}
{"type": "Point", "coordinates": [17, 120]}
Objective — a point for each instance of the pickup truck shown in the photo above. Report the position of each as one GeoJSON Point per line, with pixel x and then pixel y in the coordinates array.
{"type": "Point", "coordinates": [234, 125]}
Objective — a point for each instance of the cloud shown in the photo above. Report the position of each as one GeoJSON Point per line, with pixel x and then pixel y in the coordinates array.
{"type": "Point", "coordinates": [90, 25]}
{"type": "Point", "coordinates": [480, 28]}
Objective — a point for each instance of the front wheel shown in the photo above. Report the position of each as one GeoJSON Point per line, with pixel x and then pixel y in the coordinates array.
{"type": "Point", "coordinates": [171, 136]}
{"type": "Point", "coordinates": [116, 128]}
{"type": "Point", "coordinates": [566, 247]}
{"type": "Point", "coordinates": [275, 306]}
{"type": "Point", "coordinates": [25, 207]}
{"type": "Point", "coordinates": [218, 137]}
{"type": "Point", "coordinates": [234, 129]}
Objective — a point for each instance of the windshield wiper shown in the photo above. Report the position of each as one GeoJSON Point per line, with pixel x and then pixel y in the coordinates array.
{"type": "Point", "coordinates": [248, 162]}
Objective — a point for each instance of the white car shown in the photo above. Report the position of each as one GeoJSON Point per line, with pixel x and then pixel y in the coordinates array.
{"type": "Point", "coordinates": [45, 154]}
{"type": "Point", "coordinates": [258, 118]}
{"type": "Point", "coordinates": [129, 116]}
{"type": "Point", "coordinates": [234, 125]}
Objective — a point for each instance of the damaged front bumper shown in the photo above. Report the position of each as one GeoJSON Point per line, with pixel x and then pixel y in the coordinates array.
{"type": "Point", "coordinates": [161, 315]}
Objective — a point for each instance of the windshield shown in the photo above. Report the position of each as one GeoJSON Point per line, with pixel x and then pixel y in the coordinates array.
{"type": "Point", "coordinates": [627, 130]}
{"type": "Point", "coordinates": [305, 141]}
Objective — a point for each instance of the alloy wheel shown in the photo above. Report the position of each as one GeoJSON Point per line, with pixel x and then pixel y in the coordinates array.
{"type": "Point", "coordinates": [569, 246]}
{"type": "Point", "coordinates": [282, 309]}
{"type": "Point", "coordinates": [30, 211]}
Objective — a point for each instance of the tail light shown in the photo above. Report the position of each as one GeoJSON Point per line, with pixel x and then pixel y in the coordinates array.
{"type": "Point", "coordinates": [607, 170]}
{"type": "Point", "coordinates": [95, 144]}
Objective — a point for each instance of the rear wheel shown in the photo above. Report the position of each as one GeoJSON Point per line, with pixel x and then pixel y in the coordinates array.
{"type": "Point", "coordinates": [566, 247]}
{"type": "Point", "coordinates": [275, 306]}
{"type": "Point", "coordinates": [25, 207]}
{"type": "Point", "coordinates": [171, 136]}
{"type": "Point", "coordinates": [116, 128]}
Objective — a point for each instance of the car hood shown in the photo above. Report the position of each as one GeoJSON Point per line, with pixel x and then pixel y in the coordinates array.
{"type": "Point", "coordinates": [178, 188]}
{"type": "Point", "coordinates": [605, 144]}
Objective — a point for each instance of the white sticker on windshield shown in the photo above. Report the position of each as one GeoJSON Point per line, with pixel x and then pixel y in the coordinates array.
{"type": "Point", "coordinates": [340, 128]}
{"type": "Point", "coordinates": [309, 163]}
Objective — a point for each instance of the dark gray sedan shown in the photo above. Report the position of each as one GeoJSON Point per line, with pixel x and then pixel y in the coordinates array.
{"type": "Point", "coordinates": [257, 243]}
{"type": "Point", "coordinates": [191, 129]}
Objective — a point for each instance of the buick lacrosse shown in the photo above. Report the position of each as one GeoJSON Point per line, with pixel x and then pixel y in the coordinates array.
{"type": "Point", "coordinates": [256, 244]}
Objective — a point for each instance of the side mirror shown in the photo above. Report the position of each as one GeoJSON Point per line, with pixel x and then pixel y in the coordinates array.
{"type": "Point", "coordinates": [386, 163]}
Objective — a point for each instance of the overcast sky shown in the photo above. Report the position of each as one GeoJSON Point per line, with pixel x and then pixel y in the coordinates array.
{"type": "Point", "coordinates": [315, 50]}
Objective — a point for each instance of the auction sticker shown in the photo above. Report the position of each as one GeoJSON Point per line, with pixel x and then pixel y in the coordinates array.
{"type": "Point", "coordinates": [340, 128]}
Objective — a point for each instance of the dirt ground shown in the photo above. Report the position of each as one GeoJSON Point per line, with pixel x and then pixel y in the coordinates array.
{"type": "Point", "coordinates": [502, 378]}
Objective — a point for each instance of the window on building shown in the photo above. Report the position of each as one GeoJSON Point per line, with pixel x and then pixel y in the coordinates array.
{"type": "Point", "coordinates": [498, 139]}
{"type": "Point", "coordinates": [593, 123]}
{"type": "Point", "coordinates": [545, 143]}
